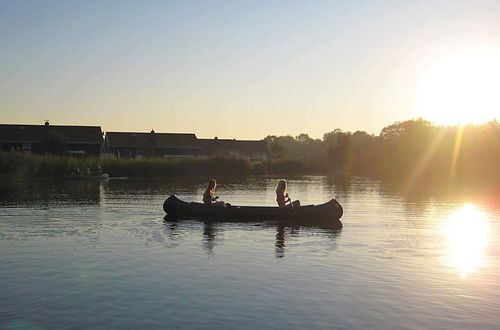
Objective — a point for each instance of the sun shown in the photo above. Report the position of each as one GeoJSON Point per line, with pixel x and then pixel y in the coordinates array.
{"type": "Point", "coordinates": [461, 88]}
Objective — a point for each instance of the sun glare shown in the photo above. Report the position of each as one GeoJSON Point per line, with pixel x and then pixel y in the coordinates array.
{"type": "Point", "coordinates": [462, 88]}
{"type": "Point", "coordinates": [467, 231]}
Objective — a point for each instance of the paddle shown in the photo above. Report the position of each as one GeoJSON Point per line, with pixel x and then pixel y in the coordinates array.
{"type": "Point", "coordinates": [291, 203]}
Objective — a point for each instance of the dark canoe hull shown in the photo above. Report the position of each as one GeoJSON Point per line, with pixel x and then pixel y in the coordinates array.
{"type": "Point", "coordinates": [325, 214]}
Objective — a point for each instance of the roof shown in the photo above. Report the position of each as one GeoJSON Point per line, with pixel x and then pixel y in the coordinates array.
{"type": "Point", "coordinates": [217, 145]}
{"type": "Point", "coordinates": [37, 133]}
{"type": "Point", "coordinates": [157, 140]}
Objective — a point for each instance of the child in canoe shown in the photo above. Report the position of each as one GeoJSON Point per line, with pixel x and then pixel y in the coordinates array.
{"type": "Point", "coordinates": [209, 197]}
{"type": "Point", "coordinates": [282, 196]}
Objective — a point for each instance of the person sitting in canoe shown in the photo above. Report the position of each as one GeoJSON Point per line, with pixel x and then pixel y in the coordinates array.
{"type": "Point", "coordinates": [282, 196]}
{"type": "Point", "coordinates": [209, 197]}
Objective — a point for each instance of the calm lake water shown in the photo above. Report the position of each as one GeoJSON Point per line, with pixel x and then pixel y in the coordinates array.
{"type": "Point", "coordinates": [79, 255]}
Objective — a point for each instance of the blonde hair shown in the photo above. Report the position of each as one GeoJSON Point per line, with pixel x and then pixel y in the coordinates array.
{"type": "Point", "coordinates": [281, 187]}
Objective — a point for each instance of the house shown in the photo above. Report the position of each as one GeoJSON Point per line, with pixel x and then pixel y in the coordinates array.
{"type": "Point", "coordinates": [88, 141]}
{"type": "Point", "coordinates": [52, 139]}
{"type": "Point", "coordinates": [139, 145]}
{"type": "Point", "coordinates": [254, 150]}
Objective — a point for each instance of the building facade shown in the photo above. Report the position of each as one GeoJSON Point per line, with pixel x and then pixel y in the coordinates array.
{"type": "Point", "coordinates": [140, 145]}
{"type": "Point", "coordinates": [52, 139]}
{"type": "Point", "coordinates": [85, 141]}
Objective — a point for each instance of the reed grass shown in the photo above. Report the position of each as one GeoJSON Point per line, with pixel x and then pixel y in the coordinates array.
{"type": "Point", "coordinates": [48, 166]}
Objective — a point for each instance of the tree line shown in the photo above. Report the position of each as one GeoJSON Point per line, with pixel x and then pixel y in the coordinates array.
{"type": "Point", "coordinates": [414, 148]}
{"type": "Point", "coordinates": [408, 151]}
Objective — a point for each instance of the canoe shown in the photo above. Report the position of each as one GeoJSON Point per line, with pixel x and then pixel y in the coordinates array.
{"type": "Point", "coordinates": [328, 213]}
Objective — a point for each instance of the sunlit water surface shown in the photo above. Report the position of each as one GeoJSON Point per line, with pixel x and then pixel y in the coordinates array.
{"type": "Point", "coordinates": [77, 254]}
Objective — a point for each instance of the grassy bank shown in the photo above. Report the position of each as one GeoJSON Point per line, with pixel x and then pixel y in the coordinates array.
{"type": "Point", "coordinates": [17, 165]}
{"type": "Point", "coordinates": [25, 166]}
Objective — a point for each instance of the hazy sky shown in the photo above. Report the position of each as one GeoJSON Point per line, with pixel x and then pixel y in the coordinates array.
{"type": "Point", "coordinates": [242, 69]}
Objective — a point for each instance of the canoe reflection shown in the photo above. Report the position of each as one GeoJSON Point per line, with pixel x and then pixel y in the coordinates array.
{"type": "Point", "coordinates": [280, 241]}
{"type": "Point", "coordinates": [213, 230]}
{"type": "Point", "coordinates": [209, 235]}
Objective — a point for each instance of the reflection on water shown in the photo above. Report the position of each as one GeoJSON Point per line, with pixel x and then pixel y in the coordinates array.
{"type": "Point", "coordinates": [467, 231]}
{"type": "Point", "coordinates": [280, 241]}
{"type": "Point", "coordinates": [213, 231]}
{"type": "Point", "coordinates": [100, 255]}
{"type": "Point", "coordinates": [50, 193]}
{"type": "Point", "coordinates": [287, 233]}
{"type": "Point", "coordinates": [209, 234]}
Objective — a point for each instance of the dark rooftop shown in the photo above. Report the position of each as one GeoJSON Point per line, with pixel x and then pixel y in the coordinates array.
{"type": "Point", "coordinates": [158, 140]}
{"type": "Point", "coordinates": [36, 133]}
